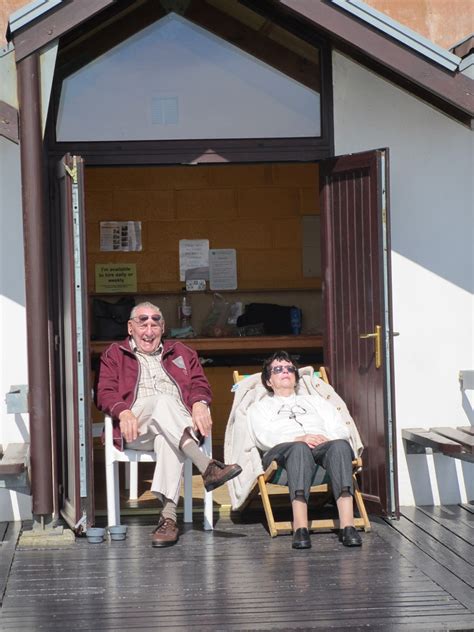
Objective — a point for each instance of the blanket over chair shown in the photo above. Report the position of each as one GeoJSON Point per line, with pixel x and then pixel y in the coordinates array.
{"type": "Point", "coordinates": [239, 444]}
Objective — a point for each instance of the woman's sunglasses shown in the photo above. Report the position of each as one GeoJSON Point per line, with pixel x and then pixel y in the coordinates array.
{"type": "Point", "coordinates": [279, 369]}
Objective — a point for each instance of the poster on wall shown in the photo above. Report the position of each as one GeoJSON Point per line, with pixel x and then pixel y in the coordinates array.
{"type": "Point", "coordinates": [115, 277]}
{"type": "Point", "coordinates": [120, 236]}
{"type": "Point", "coordinates": [223, 269]}
{"type": "Point", "coordinates": [193, 253]}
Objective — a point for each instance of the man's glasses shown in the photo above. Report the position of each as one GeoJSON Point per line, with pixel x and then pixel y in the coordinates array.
{"type": "Point", "coordinates": [143, 319]}
{"type": "Point", "coordinates": [279, 369]}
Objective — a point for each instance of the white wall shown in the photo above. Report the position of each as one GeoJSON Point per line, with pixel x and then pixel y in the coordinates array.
{"type": "Point", "coordinates": [432, 221]}
{"type": "Point", "coordinates": [14, 428]}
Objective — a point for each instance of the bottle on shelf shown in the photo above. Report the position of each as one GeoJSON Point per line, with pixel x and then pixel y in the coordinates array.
{"type": "Point", "coordinates": [295, 315]}
{"type": "Point", "coordinates": [184, 310]}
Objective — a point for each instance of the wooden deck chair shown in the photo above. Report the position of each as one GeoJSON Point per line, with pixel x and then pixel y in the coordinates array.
{"type": "Point", "coordinates": [275, 474]}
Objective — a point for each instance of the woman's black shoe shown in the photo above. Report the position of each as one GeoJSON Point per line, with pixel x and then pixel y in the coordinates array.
{"type": "Point", "coordinates": [349, 537]}
{"type": "Point", "coordinates": [301, 539]}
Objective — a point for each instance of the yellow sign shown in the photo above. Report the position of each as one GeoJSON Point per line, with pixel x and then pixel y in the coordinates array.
{"type": "Point", "coordinates": [115, 277]}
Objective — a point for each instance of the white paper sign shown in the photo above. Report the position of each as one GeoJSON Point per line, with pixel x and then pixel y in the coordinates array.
{"type": "Point", "coordinates": [120, 236]}
{"type": "Point", "coordinates": [193, 253]}
{"type": "Point", "coordinates": [223, 269]}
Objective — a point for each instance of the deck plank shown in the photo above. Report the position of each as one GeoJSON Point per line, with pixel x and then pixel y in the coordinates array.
{"type": "Point", "coordinates": [454, 518]}
{"type": "Point", "coordinates": [10, 534]}
{"type": "Point", "coordinates": [446, 536]}
{"type": "Point", "coordinates": [459, 567]}
{"type": "Point", "coordinates": [235, 578]}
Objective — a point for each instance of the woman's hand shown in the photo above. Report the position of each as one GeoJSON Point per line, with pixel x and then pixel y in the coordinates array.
{"type": "Point", "coordinates": [312, 440]}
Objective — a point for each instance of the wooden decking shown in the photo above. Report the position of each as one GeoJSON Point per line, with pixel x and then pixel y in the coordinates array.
{"type": "Point", "coordinates": [412, 574]}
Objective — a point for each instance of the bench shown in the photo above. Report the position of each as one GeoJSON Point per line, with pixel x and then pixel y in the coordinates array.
{"type": "Point", "coordinates": [14, 463]}
{"type": "Point", "coordinates": [455, 442]}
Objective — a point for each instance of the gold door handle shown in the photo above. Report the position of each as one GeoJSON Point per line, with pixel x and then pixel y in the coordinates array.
{"type": "Point", "coordinates": [377, 335]}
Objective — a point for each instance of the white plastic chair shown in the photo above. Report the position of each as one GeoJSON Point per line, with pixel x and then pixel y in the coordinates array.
{"type": "Point", "coordinates": [133, 457]}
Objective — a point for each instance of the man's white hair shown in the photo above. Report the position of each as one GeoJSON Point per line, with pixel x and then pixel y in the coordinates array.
{"type": "Point", "coordinates": [147, 304]}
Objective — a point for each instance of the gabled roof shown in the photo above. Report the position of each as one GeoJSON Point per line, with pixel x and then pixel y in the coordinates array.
{"type": "Point", "coordinates": [350, 25]}
{"type": "Point", "coordinates": [449, 90]}
{"type": "Point", "coordinates": [401, 33]}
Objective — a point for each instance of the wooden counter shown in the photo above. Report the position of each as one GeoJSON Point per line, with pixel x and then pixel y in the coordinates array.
{"type": "Point", "coordinates": [241, 346]}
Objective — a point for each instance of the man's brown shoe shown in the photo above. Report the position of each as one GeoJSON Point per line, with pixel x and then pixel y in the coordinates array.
{"type": "Point", "coordinates": [218, 473]}
{"type": "Point", "coordinates": [165, 534]}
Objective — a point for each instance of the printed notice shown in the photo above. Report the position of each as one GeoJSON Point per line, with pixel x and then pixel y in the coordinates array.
{"type": "Point", "coordinates": [115, 277]}
{"type": "Point", "coordinates": [120, 236]}
{"type": "Point", "coordinates": [193, 253]}
{"type": "Point", "coordinates": [223, 269]}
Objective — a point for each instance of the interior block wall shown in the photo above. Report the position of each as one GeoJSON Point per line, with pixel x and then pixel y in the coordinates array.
{"type": "Point", "coordinates": [256, 209]}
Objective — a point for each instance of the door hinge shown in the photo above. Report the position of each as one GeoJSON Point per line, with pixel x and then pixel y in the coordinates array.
{"type": "Point", "coordinates": [72, 172]}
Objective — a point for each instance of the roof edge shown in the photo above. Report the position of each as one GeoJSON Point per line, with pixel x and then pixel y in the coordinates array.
{"type": "Point", "coordinates": [464, 47]}
{"type": "Point", "coordinates": [33, 10]}
{"type": "Point", "coordinates": [401, 33]}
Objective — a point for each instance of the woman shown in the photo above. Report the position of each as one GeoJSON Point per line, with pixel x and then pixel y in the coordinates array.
{"type": "Point", "coordinates": [300, 432]}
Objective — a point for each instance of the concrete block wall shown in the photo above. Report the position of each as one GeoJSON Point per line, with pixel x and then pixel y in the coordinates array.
{"type": "Point", "coordinates": [256, 209]}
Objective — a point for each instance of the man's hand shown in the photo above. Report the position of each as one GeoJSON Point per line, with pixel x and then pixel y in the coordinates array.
{"type": "Point", "coordinates": [312, 440]}
{"type": "Point", "coordinates": [202, 420]}
{"type": "Point", "coordinates": [128, 425]}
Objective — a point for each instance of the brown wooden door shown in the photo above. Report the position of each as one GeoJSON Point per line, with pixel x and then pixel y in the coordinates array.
{"type": "Point", "coordinates": [356, 294]}
{"type": "Point", "coordinates": [76, 497]}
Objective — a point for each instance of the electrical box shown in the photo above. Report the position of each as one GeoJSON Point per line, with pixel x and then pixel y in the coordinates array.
{"type": "Point", "coordinates": [17, 399]}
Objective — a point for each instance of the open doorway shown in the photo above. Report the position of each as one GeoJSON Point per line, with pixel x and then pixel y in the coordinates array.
{"type": "Point", "coordinates": [355, 269]}
{"type": "Point", "coordinates": [268, 213]}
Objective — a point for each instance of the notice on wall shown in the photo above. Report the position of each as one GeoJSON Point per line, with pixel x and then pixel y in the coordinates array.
{"type": "Point", "coordinates": [223, 269]}
{"type": "Point", "coordinates": [120, 236]}
{"type": "Point", "coordinates": [115, 277]}
{"type": "Point", "coordinates": [193, 253]}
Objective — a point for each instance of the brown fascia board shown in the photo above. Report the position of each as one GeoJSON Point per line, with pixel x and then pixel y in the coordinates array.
{"type": "Point", "coordinates": [456, 90]}
{"type": "Point", "coordinates": [9, 122]}
{"type": "Point", "coordinates": [54, 24]}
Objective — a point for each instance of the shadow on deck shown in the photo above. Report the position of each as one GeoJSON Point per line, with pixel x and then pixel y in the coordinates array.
{"type": "Point", "coordinates": [412, 574]}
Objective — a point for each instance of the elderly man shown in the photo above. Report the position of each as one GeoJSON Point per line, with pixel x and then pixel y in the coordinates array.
{"type": "Point", "coordinates": [300, 431]}
{"type": "Point", "coordinates": [158, 396]}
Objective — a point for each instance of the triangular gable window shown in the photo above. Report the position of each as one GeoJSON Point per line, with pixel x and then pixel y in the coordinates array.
{"type": "Point", "coordinates": [175, 80]}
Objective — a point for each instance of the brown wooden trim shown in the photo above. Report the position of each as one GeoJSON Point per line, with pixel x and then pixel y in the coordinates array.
{"type": "Point", "coordinates": [55, 24]}
{"type": "Point", "coordinates": [197, 152]}
{"type": "Point", "coordinates": [9, 122]}
{"type": "Point", "coordinates": [455, 89]}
